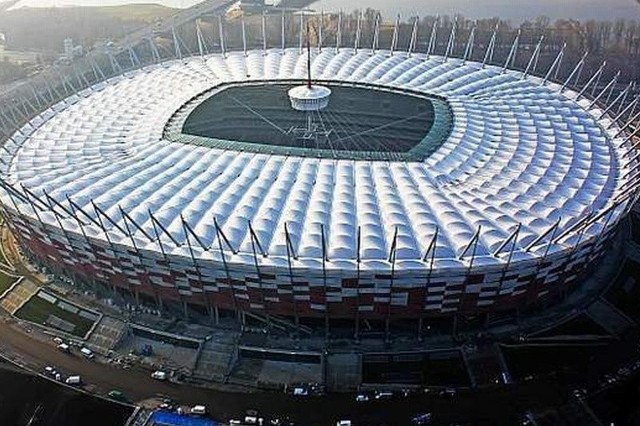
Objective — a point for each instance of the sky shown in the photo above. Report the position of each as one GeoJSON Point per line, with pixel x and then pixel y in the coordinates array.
{"type": "Point", "coordinates": [516, 10]}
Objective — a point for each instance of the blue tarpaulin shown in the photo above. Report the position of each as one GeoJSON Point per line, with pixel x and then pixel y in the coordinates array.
{"type": "Point", "coordinates": [164, 418]}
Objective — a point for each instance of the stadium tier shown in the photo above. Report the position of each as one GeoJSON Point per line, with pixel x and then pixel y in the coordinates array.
{"type": "Point", "coordinates": [428, 186]}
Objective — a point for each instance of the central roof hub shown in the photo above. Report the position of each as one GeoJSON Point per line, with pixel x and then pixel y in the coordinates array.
{"type": "Point", "coordinates": [327, 120]}
{"type": "Point", "coordinates": [309, 98]}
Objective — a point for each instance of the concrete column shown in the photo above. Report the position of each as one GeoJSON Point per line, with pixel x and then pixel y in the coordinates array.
{"type": "Point", "coordinates": [387, 327]}
{"type": "Point", "coordinates": [327, 332]}
{"type": "Point", "coordinates": [454, 331]}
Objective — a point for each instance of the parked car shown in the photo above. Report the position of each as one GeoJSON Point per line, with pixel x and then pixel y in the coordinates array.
{"type": "Point", "coordinates": [421, 419]}
{"type": "Point", "coordinates": [380, 395]}
{"type": "Point", "coordinates": [363, 397]}
{"type": "Point", "coordinates": [300, 391]}
{"type": "Point", "coordinates": [117, 395]}
{"type": "Point", "coordinates": [448, 392]}
{"type": "Point", "coordinates": [252, 418]}
{"type": "Point", "coordinates": [64, 347]}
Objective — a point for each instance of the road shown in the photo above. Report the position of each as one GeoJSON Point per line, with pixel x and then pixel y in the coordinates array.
{"type": "Point", "coordinates": [500, 405]}
{"type": "Point", "coordinates": [180, 18]}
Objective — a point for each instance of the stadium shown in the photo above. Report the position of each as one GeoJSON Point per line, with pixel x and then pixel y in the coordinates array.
{"type": "Point", "coordinates": [428, 186]}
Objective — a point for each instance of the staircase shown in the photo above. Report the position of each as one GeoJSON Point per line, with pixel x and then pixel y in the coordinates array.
{"type": "Point", "coordinates": [217, 357]}
{"type": "Point", "coordinates": [106, 335]}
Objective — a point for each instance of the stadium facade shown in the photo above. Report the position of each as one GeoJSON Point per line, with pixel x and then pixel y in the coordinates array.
{"type": "Point", "coordinates": [506, 197]}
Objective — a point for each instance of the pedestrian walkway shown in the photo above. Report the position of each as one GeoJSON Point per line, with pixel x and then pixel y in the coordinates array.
{"type": "Point", "coordinates": [485, 365]}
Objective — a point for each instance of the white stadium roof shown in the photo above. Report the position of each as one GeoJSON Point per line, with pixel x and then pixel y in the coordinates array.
{"type": "Point", "coordinates": [519, 152]}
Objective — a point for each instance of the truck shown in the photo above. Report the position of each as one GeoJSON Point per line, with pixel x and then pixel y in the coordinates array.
{"type": "Point", "coordinates": [199, 410]}
{"type": "Point", "coordinates": [73, 380]}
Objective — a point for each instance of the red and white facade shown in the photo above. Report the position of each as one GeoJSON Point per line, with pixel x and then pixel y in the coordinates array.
{"type": "Point", "coordinates": [518, 202]}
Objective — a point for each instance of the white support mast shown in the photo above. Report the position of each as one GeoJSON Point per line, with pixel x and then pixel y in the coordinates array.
{"type": "Point", "coordinates": [576, 71]}
{"type": "Point", "coordinates": [512, 53]}
{"type": "Point", "coordinates": [201, 45]}
{"type": "Point", "coordinates": [555, 63]}
{"type": "Point", "coordinates": [221, 31]}
{"type": "Point", "coordinates": [609, 86]}
{"type": "Point", "coordinates": [282, 34]}
{"type": "Point", "coordinates": [356, 44]}
{"type": "Point", "coordinates": [468, 52]}
{"type": "Point", "coordinates": [301, 34]}
{"type": "Point", "coordinates": [452, 40]}
{"type": "Point", "coordinates": [394, 39]}
{"type": "Point", "coordinates": [320, 25]}
{"type": "Point", "coordinates": [433, 37]}
{"type": "Point", "coordinates": [176, 43]}
{"type": "Point", "coordinates": [244, 36]}
{"type": "Point", "coordinates": [264, 33]}
{"type": "Point", "coordinates": [594, 78]}
{"type": "Point", "coordinates": [533, 62]}
{"type": "Point", "coordinates": [339, 32]}
{"type": "Point", "coordinates": [376, 34]}
{"type": "Point", "coordinates": [414, 37]}
{"type": "Point", "coordinates": [488, 55]}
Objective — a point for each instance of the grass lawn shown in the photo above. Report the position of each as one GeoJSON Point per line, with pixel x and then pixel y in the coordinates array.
{"type": "Point", "coordinates": [6, 281]}
{"type": "Point", "coordinates": [39, 310]}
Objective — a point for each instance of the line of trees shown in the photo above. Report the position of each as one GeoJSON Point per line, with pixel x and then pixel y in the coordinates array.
{"type": "Point", "coordinates": [616, 42]}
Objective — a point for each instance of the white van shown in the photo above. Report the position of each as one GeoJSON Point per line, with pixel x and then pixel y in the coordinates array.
{"type": "Point", "coordinates": [87, 353]}
{"type": "Point", "coordinates": [64, 347]}
{"type": "Point", "coordinates": [159, 375]}
{"type": "Point", "coordinates": [73, 380]}
{"type": "Point", "coordinates": [199, 410]}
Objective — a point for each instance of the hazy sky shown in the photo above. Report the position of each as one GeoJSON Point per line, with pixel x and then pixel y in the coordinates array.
{"type": "Point", "coordinates": [172, 3]}
{"type": "Point", "coordinates": [517, 10]}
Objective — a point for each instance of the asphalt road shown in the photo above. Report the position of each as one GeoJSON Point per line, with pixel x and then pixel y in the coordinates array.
{"type": "Point", "coordinates": [500, 405]}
